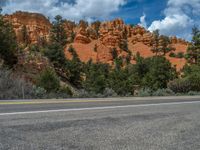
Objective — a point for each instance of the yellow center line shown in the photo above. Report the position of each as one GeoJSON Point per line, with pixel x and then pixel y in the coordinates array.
{"type": "Point", "coordinates": [55, 102]}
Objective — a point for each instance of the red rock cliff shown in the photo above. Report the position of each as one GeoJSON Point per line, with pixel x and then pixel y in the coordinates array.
{"type": "Point", "coordinates": [35, 26]}
{"type": "Point", "coordinates": [94, 41]}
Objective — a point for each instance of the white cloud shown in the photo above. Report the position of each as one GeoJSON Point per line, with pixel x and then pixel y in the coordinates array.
{"type": "Point", "coordinates": [81, 9]}
{"type": "Point", "coordinates": [143, 22]}
{"type": "Point", "coordinates": [179, 18]}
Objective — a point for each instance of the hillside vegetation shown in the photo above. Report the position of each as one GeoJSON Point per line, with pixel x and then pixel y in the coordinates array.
{"type": "Point", "coordinates": [52, 67]}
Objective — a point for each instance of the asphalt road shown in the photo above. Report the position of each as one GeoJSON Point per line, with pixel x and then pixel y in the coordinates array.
{"type": "Point", "coordinates": [101, 124]}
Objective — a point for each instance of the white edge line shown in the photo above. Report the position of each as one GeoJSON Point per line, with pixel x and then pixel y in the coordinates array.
{"type": "Point", "coordinates": [97, 108]}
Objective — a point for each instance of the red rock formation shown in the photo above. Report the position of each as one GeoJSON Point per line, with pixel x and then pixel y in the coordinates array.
{"type": "Point", "coordinates": [85, 33]}
{"type": "Point", "coordinates": [70, 27]}
{"type": "Point", "coordinates": [82, 35]}
{"type": "Point", "coordinates": [94, 41]}
{"type": "Point", "coordinates": [36, 25]}
{"type": "Point", "coordinates": [113, 33]}
{"type": "Point", "coordinates": [139, 34]}
{"type": "Point", "coordinates": [175, 40]}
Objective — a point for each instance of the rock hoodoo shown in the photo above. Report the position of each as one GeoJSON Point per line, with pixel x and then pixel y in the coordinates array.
{"type": "Point", "coordinates": [92, 41]}
{"type": "Point", "coordinates": [33, 26]}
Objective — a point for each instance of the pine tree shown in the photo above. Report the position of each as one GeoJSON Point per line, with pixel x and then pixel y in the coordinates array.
{"type": "Point", "coordinates": [96, 77]}
{"type": "Point", "coordinates": [160, 72]}
{"type": "Point", "coordinates": [165, 45]}
{"type": "Point", "coordinates": [58, 33]}
{"type": "Point", "coordinates": [161, 45]}
{"type": "Point", "coordinates": [96, 26]}
{"type": "Point", "coordinates": [114, 53]}
{"type": "Point", "coordinates": [55, 51]}
{"type": "Point", "coordinates": [193, 51]}
{"type": "Point", "coordinates": [25, 36]}
{"type": "Point", "coordinates": [8, 43]}
{"type": "Point", "coordinates": [155, 42]}
{"type": "Point", "coordinates": [75, 68]}
{"type": "Point", "coordinates": [56, 55]}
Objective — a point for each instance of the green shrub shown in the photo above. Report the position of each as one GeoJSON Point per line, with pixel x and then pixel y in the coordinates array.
{"type": "Point", "coordinates": [57, 95]}
{"type": "Point", "coordinates": [114, 53]}
{"type": "Point", "coordinates": [192, 74]}
{"type": "Point", "coordinates": [172, 54]}
{"type": "Point", "coordinates": [34, 48]}
{"type": "Point", "coordinates": [180, 85]}
{"type": "Point", "coordinates": [163, 92]}
{"type": "Point", "coordinates": [180, 55]}
{"type": "Point", "coordinates": [48, 80]}
{"type": "Point", "coordinates": [109, 93]}
{"type": "Point", "coordinates": [83, 94]}
{"type": "Point", "coordinates": [145, 92]}
{"type": "Point", "coordinates": [194, 80]}
{"type": "Point", "coordinates": [36, 93]}
{"type": "Point", "coordinates": [95, 48]}
{"type": "Point", "coordinates": [124, 46]}
{"type": "Point", "coordinates": [181, 94]}
{"type": "Point", "coordinates": [14, 88]}
{"type": "Point", "coordinates": [193, 93]}
{"type": "Point", "coordinates": [66, 90]}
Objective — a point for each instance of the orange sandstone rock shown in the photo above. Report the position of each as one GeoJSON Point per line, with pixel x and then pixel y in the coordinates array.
{"type": "Point", "coordinates": [94, 41]}
{"type": "Point", "coordinates": [36, 25]}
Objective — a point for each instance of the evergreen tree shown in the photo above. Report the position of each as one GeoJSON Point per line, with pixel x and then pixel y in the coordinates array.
{"type": "Point", "coordinates": [118, 63]}
{"type": "Point", "coordinates": [55, 51]}
{"type": "Point", "coordinates": [165, 45]}
{"type": "Point", "coordinates": [155, 42]}
{"type": "Point", "coordinates": [74, 54]}
{"type": "Point", "coordinates": [161, 45]}
{"type": "Point", "coordinates": [114, 53]}
{"type": "Point", "coordinates": [48, 80]}
{"type": "Point", "coordinates": [8, 43]}
{"type": "Point", "coordinates": [119, 83]}
{"type": "Point", "coordinates": [193, 51]}
{"type": "Point", "coordinates": [56, 54]}
{"type": "Point", "coordinates": [72, 68]}
{"type": "Point", "coordinates": [96, 26]}
{"type": "Point", "coordinates": [192, 75]}
{"type": "Point", "coordinates": [75, 68]}
{"type": "Point", "coordinates": [124, 46]}
{"type": "Point", "coordinates": [128, 57]}
{"type": "Point", "coordinates": [58, 34]}
{"type": "Point", "coordinates": [160, 72]}
{"type": "Point", "coordinates": [25, 35]}
{"type": "Point", "coordinates": [141, 67]}
{"type": "Point", "coordinates": [96, 77]}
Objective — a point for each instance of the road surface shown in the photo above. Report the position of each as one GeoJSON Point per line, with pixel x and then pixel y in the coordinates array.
{"type": "Point", "coordinates": [168, 123]}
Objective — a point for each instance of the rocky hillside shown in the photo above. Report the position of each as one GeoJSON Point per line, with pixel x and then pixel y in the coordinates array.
{"type": "Point", "coordinates": [93, 41]}
{"type": "Point", "coordinates": [35, 26]}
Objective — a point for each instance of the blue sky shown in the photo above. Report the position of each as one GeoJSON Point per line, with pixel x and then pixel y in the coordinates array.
{"type": "Point", "coordinates": [133, 10]}
{"type": "Point", "coordinates": [171, 17]}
